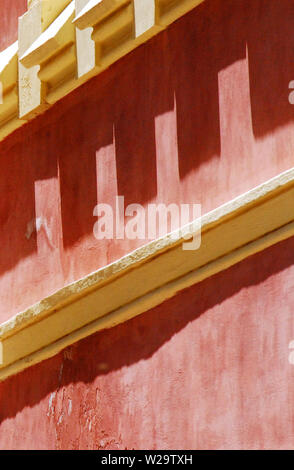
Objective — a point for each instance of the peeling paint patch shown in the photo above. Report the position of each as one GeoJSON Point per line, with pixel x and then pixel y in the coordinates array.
{"type": "Point", "coordinates": [69, 410]}
{"type": "Point", "coordinates": [50, 405]}
{"type": "Point", "coordinates": [35, 226]}
{"type": "Point", "coordinates": [60, 419]}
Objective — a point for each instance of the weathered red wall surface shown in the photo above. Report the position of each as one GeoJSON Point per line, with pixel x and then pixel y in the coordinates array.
{"type": "Point", "coordinates": [198, 114]}
{"type": "Point", "coordinates": [208, 369]}
{"type": "Point", "coordinates": [10, 11]}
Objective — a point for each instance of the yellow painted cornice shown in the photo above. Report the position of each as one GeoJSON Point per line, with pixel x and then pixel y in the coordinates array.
{"type": "Point", "coordinates": [63, 43]}
{"type": "Point", "coordinates": [97, 11]}
{"type": "Point", "coordinates": [113, 26]}
{"type": "Point", "coordinates": [150, 275]}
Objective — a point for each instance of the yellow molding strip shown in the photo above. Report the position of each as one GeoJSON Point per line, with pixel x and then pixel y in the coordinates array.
{"type": "Point", "coordinates": [150, 275]}
{"type": "Point", "coordinates": [98, 10]}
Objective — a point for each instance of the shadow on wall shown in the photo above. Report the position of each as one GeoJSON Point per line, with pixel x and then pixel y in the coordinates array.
{"type": "Point", "coordinates": [270, 41]}
{"type": "Point", "coordinates": [140, 338]}
{"type": "Point", "coordinates": [182, 65]}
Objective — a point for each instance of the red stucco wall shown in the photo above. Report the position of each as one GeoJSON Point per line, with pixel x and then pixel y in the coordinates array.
{"type": "Point", "coordinates": [10, 11]}
{"type": "Point", "coordinates": [208, 369]}
{"type": "Point", "coordinates": [198, 114]}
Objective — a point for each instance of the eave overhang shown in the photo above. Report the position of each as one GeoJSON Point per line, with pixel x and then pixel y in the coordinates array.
{"type": "Point", "coordinates": [64, 43]}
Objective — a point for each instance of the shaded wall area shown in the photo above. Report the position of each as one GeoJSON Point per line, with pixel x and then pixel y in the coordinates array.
{"type": "Point", "coordinates": [208, 369]}
{"type": "Point", "coordinates": [10, 11]}
{"type": "Point", "coordinates": [199, 114]}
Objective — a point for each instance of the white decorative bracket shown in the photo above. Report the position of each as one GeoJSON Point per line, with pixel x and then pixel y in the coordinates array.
{"type": "Point", "coordinates": [113, 30]}
{"type": "Point", "coordinates": [40, 15]}
{"type": "Point", "coordinates": [54, 55]}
